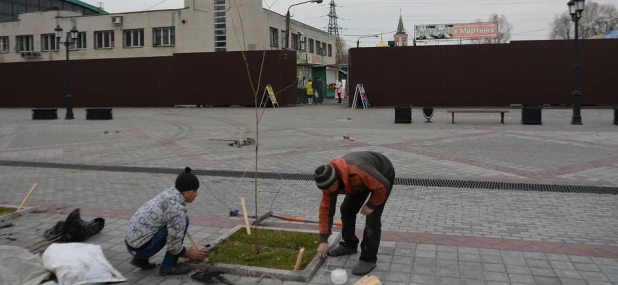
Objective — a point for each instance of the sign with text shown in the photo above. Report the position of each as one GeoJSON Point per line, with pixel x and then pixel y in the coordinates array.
{"type": "Point", "coordinates": [317, 59]}
{"type": "Point", "coordinates": [456, 31]}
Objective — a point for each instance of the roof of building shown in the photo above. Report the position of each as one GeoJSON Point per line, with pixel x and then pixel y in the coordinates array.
{"type": "Point", "coordinates": [87, 6]}
{"type": "Point", "coordinates": [400, 28]}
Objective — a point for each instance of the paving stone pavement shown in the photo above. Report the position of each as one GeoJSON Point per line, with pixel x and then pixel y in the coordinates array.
{"type": "Point", "coordinates": [542, 216]}
{"type": "Point", "coordinates": [298, 139]}
{"type": "Point", "coordinates": [398, 262]}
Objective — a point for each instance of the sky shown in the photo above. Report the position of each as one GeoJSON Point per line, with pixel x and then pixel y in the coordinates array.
{"type": "Point", "coordinates": [530, 18]}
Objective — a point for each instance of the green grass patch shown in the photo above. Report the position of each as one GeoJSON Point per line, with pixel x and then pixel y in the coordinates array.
{"type": "Point", "coordinates": [278, 249]}
{"type": "Point", "coordinates": [4, 211]}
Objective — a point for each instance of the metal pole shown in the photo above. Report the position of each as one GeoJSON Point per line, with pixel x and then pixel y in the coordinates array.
{"type": "Point", "coordinates": [577, 118]}
{"type": "Point", "coordinates": [69, 97]}
{"type": "Point", "coordinates": [358, 42]}
{"type": "Point", "coordinates": [287, 30]}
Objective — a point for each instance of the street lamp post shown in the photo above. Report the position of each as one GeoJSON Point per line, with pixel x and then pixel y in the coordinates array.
{"type": "Point", "coordinates": [576, 8]}
{"type": "Point", "coordinates": [358, 41]}
{"type": "Point", "coordinates": [71, 37]}
{"type": "Point", "coordinates": [287, 21]}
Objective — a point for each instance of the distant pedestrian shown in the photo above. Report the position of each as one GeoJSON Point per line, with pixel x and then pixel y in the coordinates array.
{"type": "Point", "coordinates": [338, 89]}
{"type": "Point", "coordinates": [310, 92]}
{"type": "Point", "coordinates": [319, 90]}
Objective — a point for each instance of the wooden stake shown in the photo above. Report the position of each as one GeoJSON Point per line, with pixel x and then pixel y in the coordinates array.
{"type": "Point", "coordinates": [299, 258]}
{"type": "Point", "coordinates": [244, 213]}
{"type": "Point", "coordinates": [27, 197]}
{"type": "Point", "coordinates": [195, 244]}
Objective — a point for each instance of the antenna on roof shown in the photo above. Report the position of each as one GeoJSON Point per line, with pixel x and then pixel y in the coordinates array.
{"type": "Point", "coordinates": [101, 6]}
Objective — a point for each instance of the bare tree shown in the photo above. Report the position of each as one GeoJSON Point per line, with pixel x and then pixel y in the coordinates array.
{"type": "Point", "coordinates": [597, 19]}
{"type": "Point", "coordinates": [341, 50]}
{"type": "Point", "coordinates": [561, 27]}
{"type": "Point", "coordinates": [504, 30]}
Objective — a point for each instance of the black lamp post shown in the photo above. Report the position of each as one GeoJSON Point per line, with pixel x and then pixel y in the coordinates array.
{"type": "Point", "coordinates": [576, 8]}
{"type": "Point", "coordinates": [358, 41]}
{"type": "Point", "coordinates": [287, 21]}
{"type": "Point", "coordinates": [71, 37]}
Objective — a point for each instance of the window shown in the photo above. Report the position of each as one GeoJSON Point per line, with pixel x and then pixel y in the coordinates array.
{"type": "Point", "coordinates": [274, 37]}
{"type": "Point", "coordinates": [318, 45]}
{"type": "Point", "coordinates": [4, 44]}
{"type": "Point", "coordinates": [323, 50]}
{"type": "Point", "coordinates": [24, 43]}
{"type": "Point", "coordinates": [294, 42]}
{"type": "Point", "coordinates": [134, 38]}
{"type": "Point", "coordinates": [330, 50]}
{"type": "Point", "coordinates": [164, 36]}
{"type": "Point", "coordinates": [220, 21]}
{"type": "Point", "coordinates": [80, 42]}
{"type": "Point", "coordinates": [49, 42]}
{"type": "Point", "coordinates": [311, 50]}
{"type": "Point", "coordinates": [104, 39]}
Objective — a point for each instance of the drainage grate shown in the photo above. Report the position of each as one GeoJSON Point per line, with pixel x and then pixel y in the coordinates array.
{"type": "Point", "coordinates": [309, 177]}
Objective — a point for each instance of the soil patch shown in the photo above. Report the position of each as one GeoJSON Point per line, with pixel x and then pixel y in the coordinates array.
{"type": "Point", "coordinates": [4, 211]}
{"type": "Point", "coordinates": [278, 249]}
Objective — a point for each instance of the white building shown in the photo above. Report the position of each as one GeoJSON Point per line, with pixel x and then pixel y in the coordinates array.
{"type": "Point", "coordinates": [202, 26]}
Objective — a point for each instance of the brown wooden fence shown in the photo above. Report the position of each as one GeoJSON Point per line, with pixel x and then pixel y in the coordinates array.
{"type": "Point", "coordinates": [527, 72]}
{"type": "Point", "coordinates": [182, 79]}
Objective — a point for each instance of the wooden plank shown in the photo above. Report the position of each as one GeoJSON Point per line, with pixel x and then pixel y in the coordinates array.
{"type": "Point", "coordinates": [27, 197]}
{"type": "Point", "coordinates": [299, 258]}
{"type": "Point", "coordinates": [244, 213]}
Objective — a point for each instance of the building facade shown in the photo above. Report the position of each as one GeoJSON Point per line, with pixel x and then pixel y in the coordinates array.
{"type": "Point", "coordinates": [202, 26]}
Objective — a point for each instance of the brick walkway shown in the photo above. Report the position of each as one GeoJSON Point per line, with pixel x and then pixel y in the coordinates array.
{"type": "Point", "coordinates": [437, 236]}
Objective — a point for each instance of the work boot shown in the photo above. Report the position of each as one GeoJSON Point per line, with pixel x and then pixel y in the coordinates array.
{"type": "Point", "coordinates": [363, 267]}
{"type": "Point", "coordinates": [340, 250]}
{"type": "Point", "coordinates": [142, 264]}
{"type": "Point", "coordinates": [179, 269]}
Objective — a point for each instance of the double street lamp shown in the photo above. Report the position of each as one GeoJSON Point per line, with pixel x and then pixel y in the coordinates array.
{"type": "Point", "coordinates": [71, 37]}
{"type": "Point", "coordinates": [358, 41]}
{"type": "Point", "coordinates": [287, 21]}
{"type": "Point", "coordinates": [576, 8]}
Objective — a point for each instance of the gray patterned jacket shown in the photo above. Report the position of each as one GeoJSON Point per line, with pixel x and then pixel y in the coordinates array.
{"type": "Point", "coordinates": [167, 209]}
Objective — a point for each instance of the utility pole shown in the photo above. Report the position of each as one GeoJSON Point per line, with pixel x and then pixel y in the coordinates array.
{"type": "Point", "coordinates": [333, 28]}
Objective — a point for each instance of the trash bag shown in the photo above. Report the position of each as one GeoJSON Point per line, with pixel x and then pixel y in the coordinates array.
{"type": "Point", "coordinates": [74, 229]}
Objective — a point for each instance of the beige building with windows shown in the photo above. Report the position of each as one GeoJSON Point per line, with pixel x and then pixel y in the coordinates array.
{"type": "Point", "coordinates": [202, 26]}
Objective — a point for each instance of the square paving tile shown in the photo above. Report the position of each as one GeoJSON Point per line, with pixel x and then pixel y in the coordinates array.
{"type": "Point", "coordinates": [447, 272]}
{"type": "Point", "coordinates": [561, 265]}
{"type": "Point", "coordinates": [541, 280]}
{"type": "Point", "coordinates": [568, 273]}
{"type": "Point", "coordinates": [496, 276]}
{"type": "Point", "coordinates": [542, 271]}
{"type": "Point", "coordinates": [491, 267]}
{"type": "Point", "coordinates": [521, 279]}
{"type": "Point", "coordinates": [422, 279]}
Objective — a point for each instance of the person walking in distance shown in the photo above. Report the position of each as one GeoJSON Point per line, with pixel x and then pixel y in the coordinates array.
{"type": "Point", "coordinates": [355, 175]}
{"type": "Point", "coordinates": [338, 89]}
{"type": "Point", "coordinates": [310, 92]}
{"type": "Point", "coordinates": [319, 89]}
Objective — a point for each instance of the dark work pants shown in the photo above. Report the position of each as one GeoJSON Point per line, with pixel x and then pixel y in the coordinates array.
{"type": "Point", "coordinates": [339, 97]}
{"type": "Point", "coordinates": [373, 226]}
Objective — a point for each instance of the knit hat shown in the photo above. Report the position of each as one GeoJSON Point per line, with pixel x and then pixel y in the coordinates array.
{"type": "Point", "coordinates": [325, 176]}
{"type": "Point", "coordinates": [187, 181]}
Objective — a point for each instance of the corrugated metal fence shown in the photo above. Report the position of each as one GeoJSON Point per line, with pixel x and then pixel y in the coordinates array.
{"type": "Point", "coordinates": [528, 72]}
{"type": "Point", "coordinates": [182, 79]}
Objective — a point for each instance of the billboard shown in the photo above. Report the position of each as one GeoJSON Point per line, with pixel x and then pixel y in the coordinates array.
{"type": "Point", "coordinates": [456, 31]}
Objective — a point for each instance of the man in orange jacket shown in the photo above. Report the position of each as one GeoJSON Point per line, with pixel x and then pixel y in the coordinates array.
{"type": "Point", "coordinates": [355, 175]}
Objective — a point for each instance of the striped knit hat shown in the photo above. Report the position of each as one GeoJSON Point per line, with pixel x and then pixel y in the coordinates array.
{"type": "Point", "coordinates": [325, 176]}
